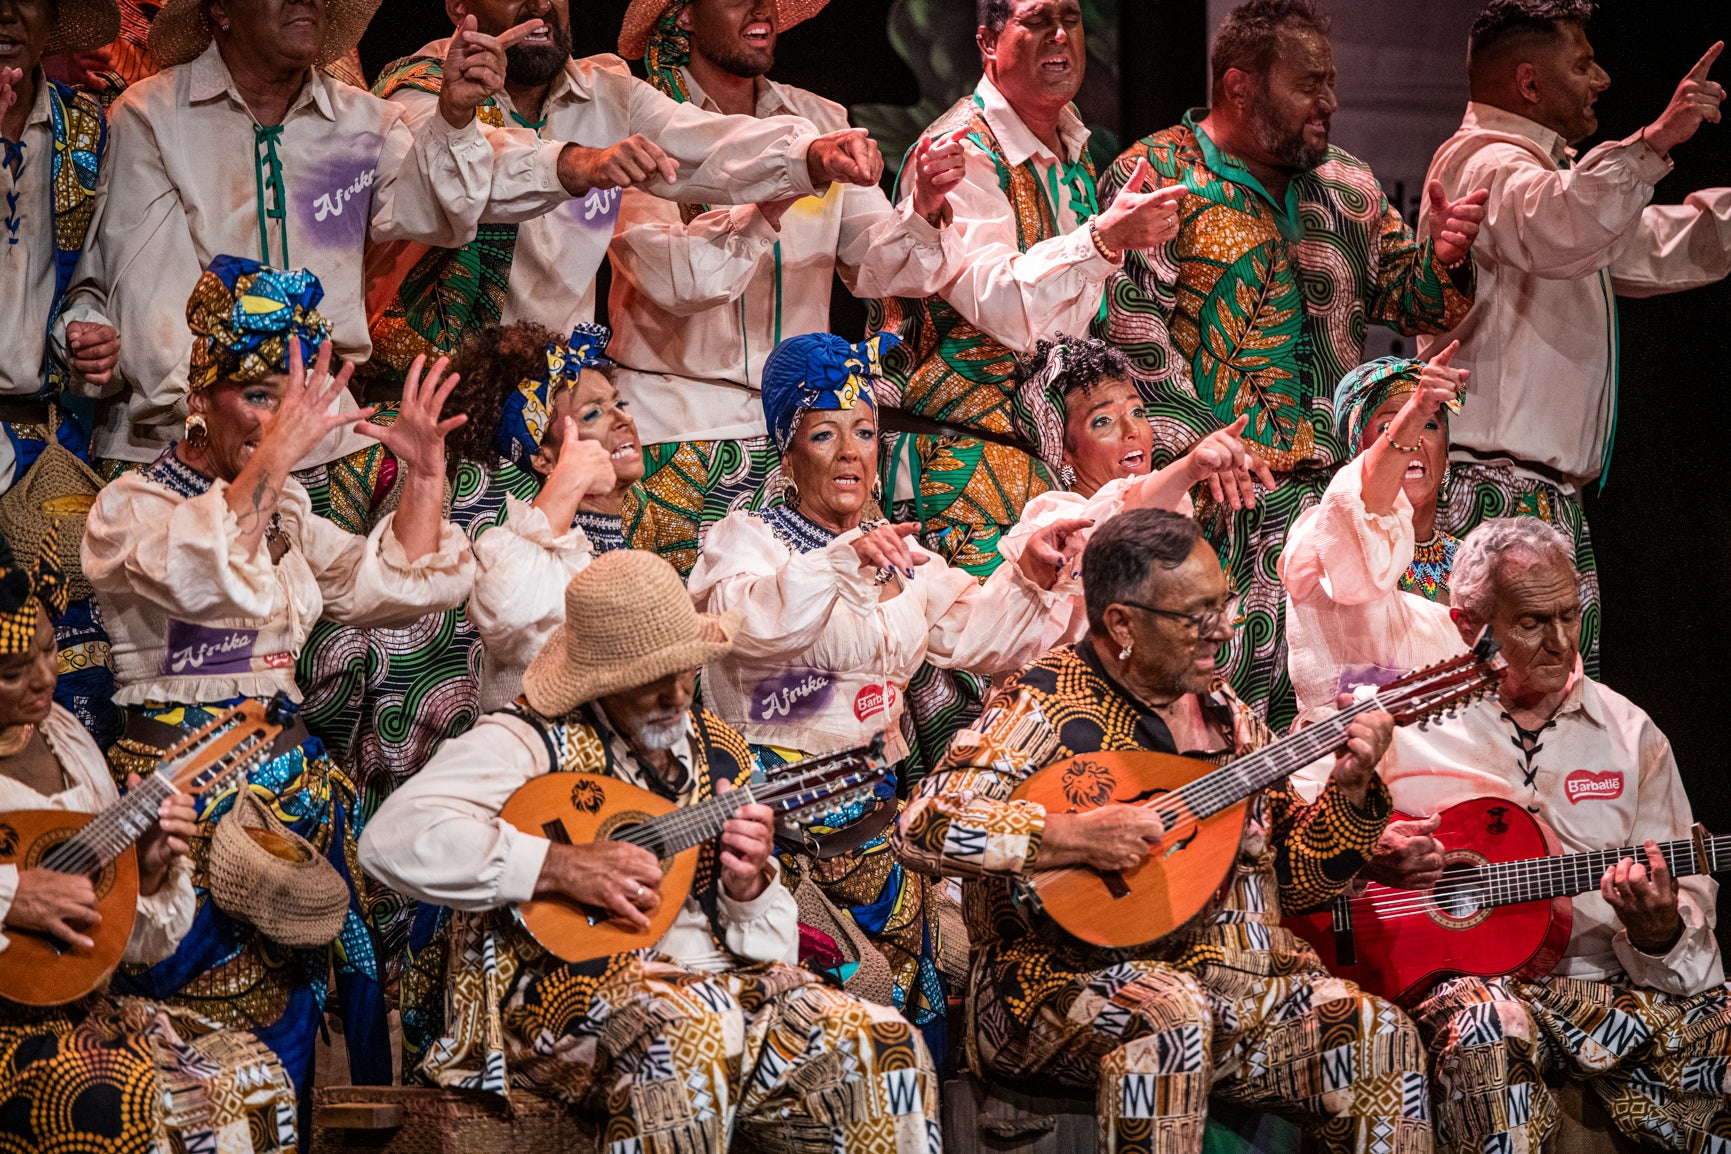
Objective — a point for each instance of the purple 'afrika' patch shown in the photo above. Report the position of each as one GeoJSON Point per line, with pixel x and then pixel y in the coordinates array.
{"type": "Point", "coordinates": [1354, 676]}
{"type": "Point", "coordinates": [794, 695]}
{"type": "Point", "coordinates": [596, 209]}
{"type": "Point", "coordinates": [333, 198]}
{"type": "Point", "coordinates": [203, 651]}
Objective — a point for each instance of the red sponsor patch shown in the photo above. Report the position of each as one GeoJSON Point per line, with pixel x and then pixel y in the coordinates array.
{"type": "Point", "coordinates": [1584, 785]}
{"type": "Point", "coordinates": [874, 699]}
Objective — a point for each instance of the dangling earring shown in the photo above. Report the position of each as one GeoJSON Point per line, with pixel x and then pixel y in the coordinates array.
{"type": "Point", "coordinates": [878, 490]}
{"type": "Point", "coordinates": [1066, 477]}
{"type": "Point", "coordinates": [197, 432]}
{"type": "Point", "coordinates": [1124, 653]}
{"type": "Point", "coordinates": [790, 495]}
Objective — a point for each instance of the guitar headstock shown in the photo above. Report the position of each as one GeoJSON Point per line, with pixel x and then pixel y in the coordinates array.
{"type": "Point", "coordinates": [1427, 694]}
{"type": "Point", "coordinates": [230, 743]}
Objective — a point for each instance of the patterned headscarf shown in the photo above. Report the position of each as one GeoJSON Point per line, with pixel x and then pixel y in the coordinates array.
{"type": "Point", "coordinates": [819, 371]}
{"type": "Point", "coordinates": [529, 407]}
{"type": "Point", "coordinates": [21, 587]}
{"type": "Point", "coordinates": [669, 51]}
{"type": "Point", "coordinates": [1367, 388]}
{"type": "Point", "coordinates": [1038, 408]}
{"type": "Point", "coordinates": [242, 314]}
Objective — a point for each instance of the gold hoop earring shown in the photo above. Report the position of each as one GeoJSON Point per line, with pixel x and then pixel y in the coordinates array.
{"type": "Point", "coordinates": [197, 432]}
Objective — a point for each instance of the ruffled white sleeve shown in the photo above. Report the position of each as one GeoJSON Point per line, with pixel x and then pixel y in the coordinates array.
{"type": "Point", "coordinates": [521, 569]}
{"type": "Point", "coordinates": [764, 929]}
{"type": "Point", "coordinates": [164, 917]}
{"type": "Point", "coordinates": [997, 627]}
{"type": "Point", "coordinates": [370, 580]}
{"type": "Point", "coordinates": [785, 599]}
{"type": "Point", "coordinates": [179, 553]}
{"type": "Point", "coordinates": [1340, 552]}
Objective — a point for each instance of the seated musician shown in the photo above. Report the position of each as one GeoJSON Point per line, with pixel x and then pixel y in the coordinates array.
{"type": "Point", "coordinates": [1233, 1004]}
{"type": "Point", "coordinates": [1638, 1006]}
{"type": "Point", "coordinates": [104, 1073]}
{"type": "Point", "coordinates": [714, 1030]}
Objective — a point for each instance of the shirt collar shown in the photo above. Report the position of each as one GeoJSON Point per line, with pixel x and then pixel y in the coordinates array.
{"type": "Point", "coordinates": [1227, 166]}
{"type": "Point", "coordinates": [772, 98]}
{"type": "Point", "coordinates": [211, 79]}
{"type": "Point", "coordinates": [626, 758]}
{"type": "Point", "coordinates": [1490, 118]}
{"type": "Point", "coordinates": [39, 111]}
{"type": "Point", "coordinates": [1583, 696]}
{"type": "Point", "coordinates": [1016, 139]}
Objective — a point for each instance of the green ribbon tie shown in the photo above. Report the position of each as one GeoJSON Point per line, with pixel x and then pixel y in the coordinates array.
{"type": "Point", "coordinates": [267, 169]}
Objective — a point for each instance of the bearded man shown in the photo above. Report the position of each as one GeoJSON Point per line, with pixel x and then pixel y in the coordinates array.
{"type": "Point", "coordinates": [1286, 247]}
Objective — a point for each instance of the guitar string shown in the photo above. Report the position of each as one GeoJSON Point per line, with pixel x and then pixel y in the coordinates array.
{"type": "Point", "coordinates": [700, 819]}
{"type": "Point", "coordinates": [1219, 790]}
{"type": "Point", "coordinates": [1504, 886]}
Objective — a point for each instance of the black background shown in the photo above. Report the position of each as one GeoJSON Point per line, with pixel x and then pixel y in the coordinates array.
{"type": "Point", "coordinates": [1661, 528]}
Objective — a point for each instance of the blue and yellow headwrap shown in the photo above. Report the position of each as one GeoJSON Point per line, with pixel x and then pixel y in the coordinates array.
{"type": "Point", "coordinates": [1364, 390]}
{"type": "Point", "coordinates": [22, 586]}
{"type": "Point", "coordinates": [242, 314]}
{"type": "Point", "coordinates": [527, 409]}
{"type": "Point", "coordinates": [819, 371]}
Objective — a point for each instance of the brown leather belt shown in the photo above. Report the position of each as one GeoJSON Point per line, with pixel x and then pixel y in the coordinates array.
{"type": "Point", "coordinates": [24, 410]}
{"type": "Point", "coordinates": [150, 734]}
{"type": "Point", "coordinates": [848, 838]}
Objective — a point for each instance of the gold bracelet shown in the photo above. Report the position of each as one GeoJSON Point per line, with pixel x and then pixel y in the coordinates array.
{"type": "Point", "coordinates": [1403, 448]}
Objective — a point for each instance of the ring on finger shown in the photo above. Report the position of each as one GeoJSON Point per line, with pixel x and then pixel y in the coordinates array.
{"type": "Point", "coordinates": [883, 575]}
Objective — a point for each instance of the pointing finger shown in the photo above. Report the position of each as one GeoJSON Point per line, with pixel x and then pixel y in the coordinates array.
{"type": "Point", "coordinates": [1699, 72]}
{"type": "Point", "coordinates": [1443, 359]}
{"type": "Point", "coordinates": [517, 32]}
{"type": "Point", "coordinates": [1139, 176]}
{"type": "Point", "coordinates": [1438, 199]}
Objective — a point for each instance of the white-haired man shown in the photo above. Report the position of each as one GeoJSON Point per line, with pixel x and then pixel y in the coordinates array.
{"type": "Point", "coordinates": [1637, 1006]}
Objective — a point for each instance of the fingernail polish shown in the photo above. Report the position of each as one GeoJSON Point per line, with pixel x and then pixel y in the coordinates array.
{"type": "Point", "coordinates": [909, 570]}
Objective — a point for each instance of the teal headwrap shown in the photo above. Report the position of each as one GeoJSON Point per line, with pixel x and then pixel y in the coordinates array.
{"type": "Point", "coordinates": [1365, 390]}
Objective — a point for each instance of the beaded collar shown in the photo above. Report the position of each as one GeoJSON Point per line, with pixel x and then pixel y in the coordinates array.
{"type": "Point", "coordinates": [172, 473]}
{"type": "Point", "coordinates": [605, 532]}
{"type": "Point", "coordinates": [1432, 562]}
{"type": "Point", "coordinates": [794, 531]}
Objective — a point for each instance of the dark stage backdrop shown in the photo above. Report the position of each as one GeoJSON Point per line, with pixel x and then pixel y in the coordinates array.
{"type": "Point", "coordinates": [1662, 527]}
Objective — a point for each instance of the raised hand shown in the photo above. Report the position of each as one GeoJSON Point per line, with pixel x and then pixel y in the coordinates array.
{"type": "Point", "coordinates": [746, 841]}
{"type": "Point", "coordinates": [1230, 469]}
{"type": "Point", "coordinates": [303, 416]}
{"type": "Point", "coordinates": [92, 349]}
{"type": "Point", "coordinates": [586, 466]}
{"type": "Point", "coordinates": [10, 79]}
{"type": "Point", "coordinates": [616, 876]}
{"type": "Point", "coordinates": [1645, 898]}
{"type": "Point", "coordinates": [474, 68]}
{"type": "Point", "coordinates": [1407, 856]}
{"type": "Point", "coordinates": [633, 161]}
{"type": "Point", "coordinates": [1454, 224]}
{"type": "Point", "coordinates": [1438, 384]}
{"type": "Point", "coordinates": [849, 156]}
{"type": "Point", "coordinates": [1054, 550]}
{"type": "Point", "coordinates": [1138, 218]}
{"type": "Point", "coordinates": [417, 437]}
{"type": "Point", "coordinates": [165, 841]}
{"type": "Point", "coordinates": [1696, 99]}
{"type": "Point", "coordinates": [936, 167]}
{"type": "Point", "coordinates": [886, 548]}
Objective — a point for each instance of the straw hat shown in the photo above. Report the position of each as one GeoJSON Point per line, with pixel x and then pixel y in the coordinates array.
{"type": "Point", "coordinates": [181, 31]}
{"type": "Point", "coordinates": [628, 622]}
{"type": "Point", "coordinates": [640, 20]}
{"type": "Point", "coordinates": [57, 492]}
{"type": "Point", "coordinates": [83, 26]}
{"type": "Point", "coordinates": [264, 873]}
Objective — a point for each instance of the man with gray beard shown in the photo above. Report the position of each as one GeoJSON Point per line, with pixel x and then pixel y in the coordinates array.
{"type": "Point", "coordinates": [1286, 248]}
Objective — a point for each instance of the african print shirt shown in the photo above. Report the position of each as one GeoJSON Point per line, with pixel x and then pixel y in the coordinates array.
{"type": "Point", "coordinates": [1261, 307]}
{"type": "Point", "coordinates": [1294, 855]}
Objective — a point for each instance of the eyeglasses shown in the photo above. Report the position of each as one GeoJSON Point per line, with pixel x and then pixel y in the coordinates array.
{"type": "Point", "coordinates": [1204, 622]}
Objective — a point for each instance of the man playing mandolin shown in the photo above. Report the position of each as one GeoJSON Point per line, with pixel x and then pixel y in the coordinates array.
{"type": "Point", "coordinates": [1230, 1004]}
{"type": "Point", "coordinates": [678, 1041]}
{"type": "Point", "coordinates": [1637, 1005]}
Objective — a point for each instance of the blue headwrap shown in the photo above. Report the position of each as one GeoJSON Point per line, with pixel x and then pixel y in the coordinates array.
{"type": "Point", "coordinates": [819, 371]}
{"type": "Point", "coordinates": [527, 408]}
{"type": "Point", "coordinates": [1364, 390]}
{"type": "Point", "coordinates": [242, 314]}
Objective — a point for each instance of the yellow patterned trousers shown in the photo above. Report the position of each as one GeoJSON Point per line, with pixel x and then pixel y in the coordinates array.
{"type": "Point", "coordinates": [1155, 1041]}
{"type": "Point", "coordinates": [1660, 1064]}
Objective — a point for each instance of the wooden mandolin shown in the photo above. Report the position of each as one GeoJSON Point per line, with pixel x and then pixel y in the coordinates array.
{"type": "Point", "coordinates": [1203, 808]}
{"type": "Point", "coordinates": [41, 970]}
{"type": "Point", "coordinates": [582, 808]}
{"type": "Point", "coordinates": [1501, 908]}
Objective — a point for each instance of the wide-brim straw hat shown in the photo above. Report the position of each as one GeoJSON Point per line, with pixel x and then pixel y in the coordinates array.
{"type": "Point", "coordinates": [83, 26]}
{"type": "Point", "coordinates": [262, 872]}
{"type": "Point", "coordinates": [640, 19]}
{"type": "Point", "coordinates": [56, 493]}
{"type": "Point", "coordinates": [628, 622]}
{"type": "Point", "coordinates": [181, 30]}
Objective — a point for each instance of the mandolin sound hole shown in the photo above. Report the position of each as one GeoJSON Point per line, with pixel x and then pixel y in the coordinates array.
{"type": "Point", "coordinates": [1457, 901]}
{"type": "Point", "coordinates": [616, 827]}
{"type": "Point", "coordinates": [101, 880]}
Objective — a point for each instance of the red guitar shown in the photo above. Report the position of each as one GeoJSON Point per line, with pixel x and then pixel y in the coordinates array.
{"type": "Point", "coordinates": [1501, 908]}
